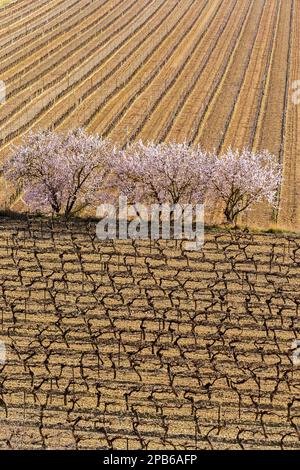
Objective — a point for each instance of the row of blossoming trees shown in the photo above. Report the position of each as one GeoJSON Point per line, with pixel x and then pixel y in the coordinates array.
{"type": "Point", "coordinates": [64, 173]}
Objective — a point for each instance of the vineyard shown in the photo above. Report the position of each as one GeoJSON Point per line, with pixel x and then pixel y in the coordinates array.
{"type": "Point", "coordinates": [131, 345]}
{"type": "Point", "coordinates": [218, 72]}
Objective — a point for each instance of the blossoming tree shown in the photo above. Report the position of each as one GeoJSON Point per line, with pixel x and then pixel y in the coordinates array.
{"type": "Point", "coordinates": [243, 178]}
{"type": "Point", "coordinates": [57, 172]}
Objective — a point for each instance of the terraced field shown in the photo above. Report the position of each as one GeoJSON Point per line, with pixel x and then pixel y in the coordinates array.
{"type": "Point", "coordinates": [131, 345]}
{"type": "Point", "coordinates": [217, 72]}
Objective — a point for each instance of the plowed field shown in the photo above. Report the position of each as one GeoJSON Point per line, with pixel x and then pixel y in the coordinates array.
{"type": "Point", "coordinates": [217, 72]}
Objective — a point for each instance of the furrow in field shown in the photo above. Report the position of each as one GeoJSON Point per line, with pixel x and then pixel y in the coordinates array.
{"type": "Point", "coordinates": [185, 121]}
{"type": "Point", "coordinates": [17, 9]}
{"type": "Point", "coordinates": [192, 114]}
{"type": "Point", "coordinates": [247, 103]}
{"type": "Point", "coordinates": [58, 66]}
{"type": "Point", "coordinates": [40, 35]}
{"type": "Point", "coordinates": [223, 26]}
{"type": "Point", "coordinates": [245, 113]}
{"type": "Point", "coordinates": [213, 127]}
{"type": "Point", "coordinates": [269, 131]}
{"type": "Point", "coordinates": [37, 47]}
{"type": "Point", "coordinates": [289, 207]}
{"type": "Point", "coordinates": [123, 64]}
{"type": "Point", "coordinates": [226, 79]}
{"type": "Point", "coordinates": [37, 19]}
{"type": "Point", "coordinates": [165, 89]}
{"type": "Point", "coordinates": [143, 64]}
{"type": "Point", "coordinates": [218, 112]}
{"type": "Point", "coordinates": [258, 114]}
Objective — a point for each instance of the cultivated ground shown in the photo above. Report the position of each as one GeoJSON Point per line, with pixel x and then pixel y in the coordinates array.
{"type": "Point", "coordinates": [139, 345]}
{"type": "Point", "coordinates": [217, 72]}
{"type": "Point", "coordinates": [131, 345]}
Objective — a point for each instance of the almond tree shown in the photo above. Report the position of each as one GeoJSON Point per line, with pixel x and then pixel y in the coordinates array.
{"type": "Point", "coordinates": [243, 178]}
{"type": "Point", "coordinates": [57, 172]}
